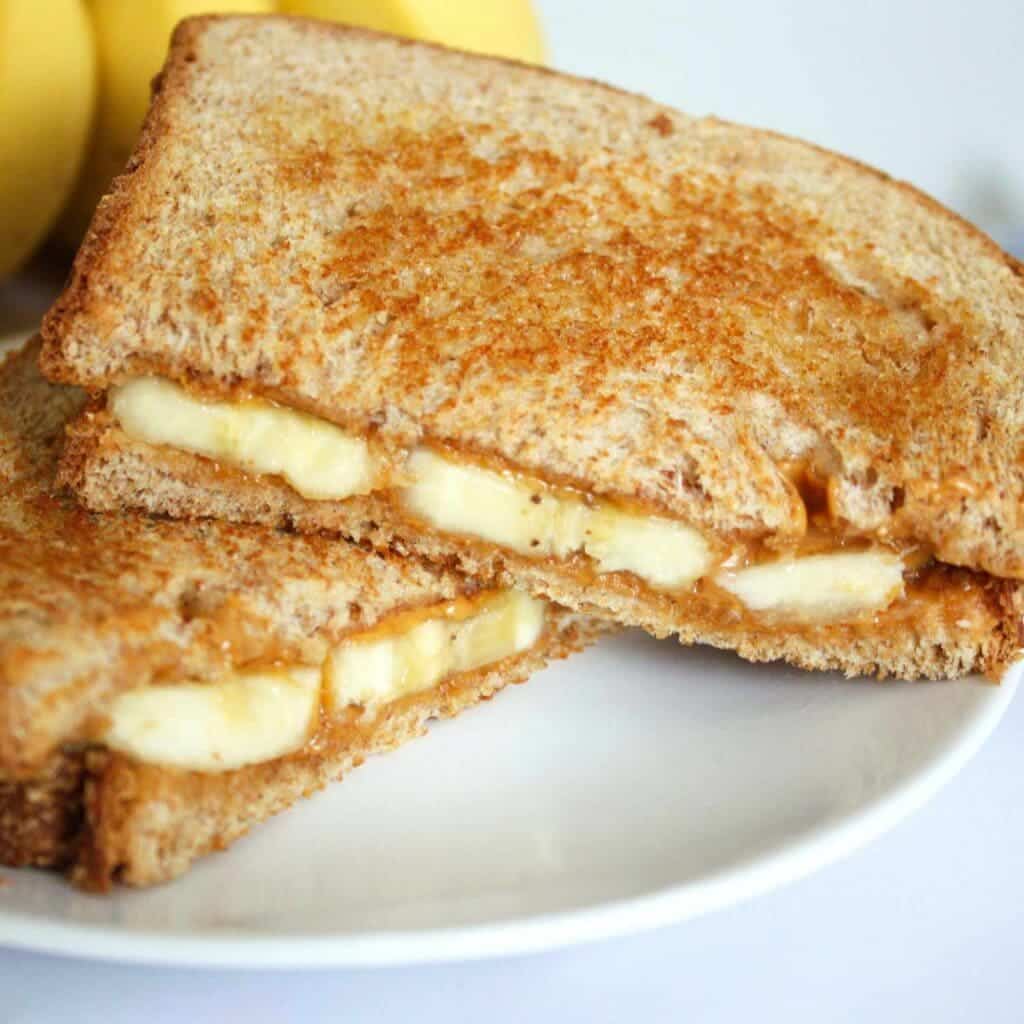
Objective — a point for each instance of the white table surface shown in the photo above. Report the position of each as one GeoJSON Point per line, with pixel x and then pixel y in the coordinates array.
{"type": "Point", "coordinates": [924, 925]}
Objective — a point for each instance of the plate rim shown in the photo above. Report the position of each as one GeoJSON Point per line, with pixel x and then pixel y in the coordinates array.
{"type": "Point", "coordinates": [240, 949]}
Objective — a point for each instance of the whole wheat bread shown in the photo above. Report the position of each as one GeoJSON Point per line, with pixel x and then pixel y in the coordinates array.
{"type": "Point", "coordinates": [594, 287]}
{"type": "Point", "coordinates": [92, 605]}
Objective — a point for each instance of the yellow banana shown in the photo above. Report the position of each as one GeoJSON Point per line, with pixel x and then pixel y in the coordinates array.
{"type": "Point", "coordinates": [504, 28]}
{"type": "Point", "coordinates": [47, 93]}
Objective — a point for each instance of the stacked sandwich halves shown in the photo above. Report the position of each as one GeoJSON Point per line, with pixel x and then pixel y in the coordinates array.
{"type": "Point", "coordinates": [600, 361]}
{"type": "Point", "coordinates": [164, 686]}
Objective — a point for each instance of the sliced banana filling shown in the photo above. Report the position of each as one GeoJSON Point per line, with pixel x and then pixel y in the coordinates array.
{"type": "Point", "coordinates": [372, 671]}
{"type": "Point", "coordinates": [533, 519]}
{"type": "Point", "coordinates": [317, 458]}
{"type": "Point", "coordinates": [321, 461]}
{"type": "Point", "coordinates": [818, 588]}
{"type": "Point", "coordinates": [245, 719]}
{"type": "Point", "coordinates": [256, 716]}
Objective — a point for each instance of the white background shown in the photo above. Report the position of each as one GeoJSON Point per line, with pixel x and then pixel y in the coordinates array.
{"type": "Point", "coordinates": [926, 924]}
{"type": "Point", "coordinates": [928, 90]}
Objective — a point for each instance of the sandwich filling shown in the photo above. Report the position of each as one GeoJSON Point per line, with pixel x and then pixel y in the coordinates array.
{"type": "Point", "coordinates": [458, 496]}
{"type": "Point", "coordinates": [258, 715]}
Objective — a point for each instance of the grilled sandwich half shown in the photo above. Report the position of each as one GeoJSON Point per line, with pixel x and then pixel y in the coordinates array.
{"type": "Point", "coordinates": [165, 686]}
{"type": "Point", "coordinates": [697, 377]}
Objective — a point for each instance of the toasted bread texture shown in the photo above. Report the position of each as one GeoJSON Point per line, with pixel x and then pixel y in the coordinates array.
{"type": "Point", "coordinates": [953, 621]}
{"type": "Point", "coordinates": [107, 819]}
{"type": "Point", "coordinates": [41, 818]}
{"type": "Point", "coordinates": [594, 287]}
{"type": "Point", "coordinates": [91, 605]}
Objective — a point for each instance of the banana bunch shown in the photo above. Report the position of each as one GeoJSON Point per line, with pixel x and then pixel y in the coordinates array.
{"type": "Point", "coordinates": [502, 28]}
{"type": "Point", "coordinates": [47, 95]}
{"type": "Point", "coordinates": [75, 75]}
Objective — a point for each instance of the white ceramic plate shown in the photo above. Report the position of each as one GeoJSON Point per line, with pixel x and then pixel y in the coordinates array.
{"type": "Point", "coordinates": [634, 785]}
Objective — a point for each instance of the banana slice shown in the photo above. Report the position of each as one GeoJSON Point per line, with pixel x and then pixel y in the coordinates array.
{"type": "Point", "coordinates": [819, 588]}
{"type": "Point", "coordinates": [215, 727]}
{"type": "Point", "coordinates": [534, 520]}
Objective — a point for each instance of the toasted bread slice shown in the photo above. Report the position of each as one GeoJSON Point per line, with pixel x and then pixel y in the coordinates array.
{"type": "Point", "coordinates": [96, 610]}
{"type": "Point", "coordinates": [713, 327]}
{"type": "Point", "coordinates": [951, 621]}
{"type": "Point", "coordinates": [106, 818]}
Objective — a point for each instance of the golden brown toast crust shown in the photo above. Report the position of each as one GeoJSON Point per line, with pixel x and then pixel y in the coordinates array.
{"type": "Point", "coordinates": [953, 621]}
{"type": "Point", "coordinates": [108, 819]}
{"type": "Point", "coordinates": [41, 818]}
{"type": "Point", "coordinates": [585, 283]}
